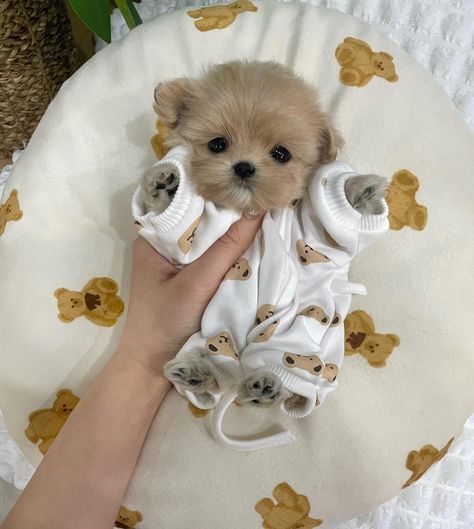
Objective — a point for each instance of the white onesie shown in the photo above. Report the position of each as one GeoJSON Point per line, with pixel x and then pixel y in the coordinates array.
{"type": "Point", "coordinates": [281, 306]}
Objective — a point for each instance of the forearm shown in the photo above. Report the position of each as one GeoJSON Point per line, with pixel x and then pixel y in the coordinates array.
{"type": "Point", "coordinates": [83, 477]}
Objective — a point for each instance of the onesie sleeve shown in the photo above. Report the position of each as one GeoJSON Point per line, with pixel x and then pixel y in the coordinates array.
{"type": "Point", "coordinates": [326, 207]}
{"type": "Point", "coordinates": [189, 225]}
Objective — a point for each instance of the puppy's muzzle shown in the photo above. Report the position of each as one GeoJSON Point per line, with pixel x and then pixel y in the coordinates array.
{"type": "Point", "coordinates": [244, 169]}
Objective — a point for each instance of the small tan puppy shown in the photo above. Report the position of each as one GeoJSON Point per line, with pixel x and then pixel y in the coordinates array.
{"type": "Point", "coordinates": [256, 134]}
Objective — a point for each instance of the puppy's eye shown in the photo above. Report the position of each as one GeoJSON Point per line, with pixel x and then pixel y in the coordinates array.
{"type": "Point", "coordinates": [218, 145]}
{"type": "Point", "coordinates": [280, 154]}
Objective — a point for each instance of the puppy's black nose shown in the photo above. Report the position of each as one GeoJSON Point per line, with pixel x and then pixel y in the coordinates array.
{"type": "Point", "coordinates": [244, 169]}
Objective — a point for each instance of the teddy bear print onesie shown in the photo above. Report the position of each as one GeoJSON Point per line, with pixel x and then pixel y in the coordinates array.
{"type": "Point", "coordinates": [281, 306]}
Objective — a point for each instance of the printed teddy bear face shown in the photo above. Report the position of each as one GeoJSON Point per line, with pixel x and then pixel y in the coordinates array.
{"type": "Point", "coordinates": [65, 403]}
{"type": "Point", "coordinates": [239, 271]}
{"type": "Point", "coordinates": [418, 462]}
{"type": "Point", "coordinates": [264, 312]}
{"type": "Point", "coordinates": [242, 6]}
{"type": "Point", "coordinates": [291, 510]}
{"type": "Point", "coordinates": [12, 207]}
{"type": "Point", "coordinates": [71, 304]}
{"type": "Point", "coordinates": [45, 424]}
{"type": "Point", "coordinates": [312, 364]}
{"type": "Point", "coordinates": [187, 238]}
{"type": "Point", "coordinates": [383, 66]}
{"type": "Point", "coordinates": [127, 519]}
{"type": "Point", "coordinates": [10, 211]}
{"type": "Point", "coordinates": [317, 313]}
{"type": "Point", "coordinates": [221, 344]}
{"type": "Point", "coordinates": [376, 348]}
{"type": "Point", "coordinates": [330, 372]}
{"type": "Point", "coordinates": [307, 255]}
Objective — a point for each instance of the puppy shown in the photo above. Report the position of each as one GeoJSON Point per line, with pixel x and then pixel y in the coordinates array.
{"type": "Point", "coordinates": [256, 133]}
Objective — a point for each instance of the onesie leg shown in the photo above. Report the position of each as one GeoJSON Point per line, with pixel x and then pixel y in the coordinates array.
{"type": "Point", "coordinates": [261, 388]}
{"type": "Point", "coordinates": [191, 375]}
{"type": "Point", "coordinates": [159, 188]}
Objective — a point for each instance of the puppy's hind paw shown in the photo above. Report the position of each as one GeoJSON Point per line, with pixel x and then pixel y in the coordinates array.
{"type": "Point", "coordinates": [190, 375]}
{"type": "Point", "coordinates": [365, 193]}
{"type": "Point", "coordinates": [261, 389]}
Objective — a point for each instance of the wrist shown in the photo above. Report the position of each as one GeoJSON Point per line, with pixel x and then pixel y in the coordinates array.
{"type": "Point", "coordinates": [140, 366]}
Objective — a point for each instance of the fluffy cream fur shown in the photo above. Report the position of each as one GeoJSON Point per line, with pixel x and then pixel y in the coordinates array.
{"type": "Point", "coordinates": [254, 106]}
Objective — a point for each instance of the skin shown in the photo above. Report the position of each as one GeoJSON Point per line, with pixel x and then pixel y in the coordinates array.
{"type": "Point", "coordinates": [82, 479]}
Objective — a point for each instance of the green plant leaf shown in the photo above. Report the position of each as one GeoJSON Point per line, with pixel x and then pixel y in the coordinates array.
{"type": "Point", "coordinates": [95, 14]}
{"type": "Point", "coordinates": [129, 12]}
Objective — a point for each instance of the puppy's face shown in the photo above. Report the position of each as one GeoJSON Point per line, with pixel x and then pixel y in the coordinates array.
{"type": "Point", "coordinates": [255, 132]}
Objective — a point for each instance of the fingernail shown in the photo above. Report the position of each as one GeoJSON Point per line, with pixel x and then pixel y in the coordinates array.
{"type": "Point", "coordinates": [252, 214]}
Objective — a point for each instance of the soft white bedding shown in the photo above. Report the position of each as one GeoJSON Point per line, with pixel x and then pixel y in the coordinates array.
{"type": "Point", "coordinates": [440, 35]}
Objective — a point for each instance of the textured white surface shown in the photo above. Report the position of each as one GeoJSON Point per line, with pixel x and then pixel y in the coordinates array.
{"type": "Point", "coordinates": [440, 35]}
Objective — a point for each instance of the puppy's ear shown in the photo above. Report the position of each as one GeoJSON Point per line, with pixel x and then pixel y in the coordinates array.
{"type": "Point", "coordinates": [330, 141]}
{"type": "Point", "coordinates": [171, 99]}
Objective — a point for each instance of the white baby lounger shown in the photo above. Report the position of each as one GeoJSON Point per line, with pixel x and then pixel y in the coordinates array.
{"type": "Point", "coordinates": [405, 387]}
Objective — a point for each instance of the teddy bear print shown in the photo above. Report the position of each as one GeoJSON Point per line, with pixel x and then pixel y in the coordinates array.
{"type": "Point", "coordinates": [360, 337]}
{"type": "Point", "coordinates": [418, 462]}
{"type": "Point", "coordinates": [10, 211]}
{"type": "Point", "coordinates": [312, 364]}
{"type": "Point", "coordinates": [97, 301]}
{"type": "Point", "coordinates": [317, 313]}
{"type": "Point", "coordinates": [291, 510]}
{"type": "Point", "coordinates": [264, 313]}
{"type": "Point", "coordinates": [307, 255]}
{"type": "Point", "coordinates": [219, 16]}
{"type": "Point", "coordinates": [239, 271]}
{"type": "Point", "coordinates": [187, 238]}
{"type": "Point", "coordinates": [404, 210]}
{"type": "Point", "coordinates": [221, 344]}
{"type": "Point", "coordinates": [197, 412]}
{"type": "Point", "coordinates": [336, 320]}
{"type": "Point", "coordinates": [127, 519]}
{"type": "Point", "coordinates": [330, 372]}
{"type": "Point", "coordinates": [330, 240]}
{"type": "Point", "coordinates": [45, 424]}
{"type": "Point", "coordinates": [158, 140]}
{"type": "Point", "coordinates": [359, 63]}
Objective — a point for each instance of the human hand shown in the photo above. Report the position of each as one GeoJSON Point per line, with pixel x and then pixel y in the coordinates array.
{"type": "Point", "coordinates": [166, 304]}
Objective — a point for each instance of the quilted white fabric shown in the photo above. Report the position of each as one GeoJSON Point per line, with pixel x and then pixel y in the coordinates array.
{"type": "Point", "coordinates": [437, 33]}
{"type": "Point", "coordinates": [440, 36]}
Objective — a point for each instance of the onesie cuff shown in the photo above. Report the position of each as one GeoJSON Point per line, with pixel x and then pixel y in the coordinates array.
{"type": "Point", "coordinates": [297, 386]}
{"type": "Point", "coordinates": [341, 210]}
{"type": "Point", "coordinates": [170, 217]}
{"type": "Point", "coordinates": [328, 196]}
{"type": "Point", "coordinates": [210, 399]}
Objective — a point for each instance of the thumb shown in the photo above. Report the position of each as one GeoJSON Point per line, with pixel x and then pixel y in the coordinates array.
{"type": "Point", "coordinates": [217, 260]}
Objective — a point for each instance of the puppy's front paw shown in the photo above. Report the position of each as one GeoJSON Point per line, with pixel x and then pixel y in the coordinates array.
{"type": "Point", "coordinates": [159, 189]}
{"type": "Point", "coordinates": [190, 375]}
{"type": "Point", "coordinates": [262, 389]}
{"type": "Point", "coordinates": [365, 193]}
